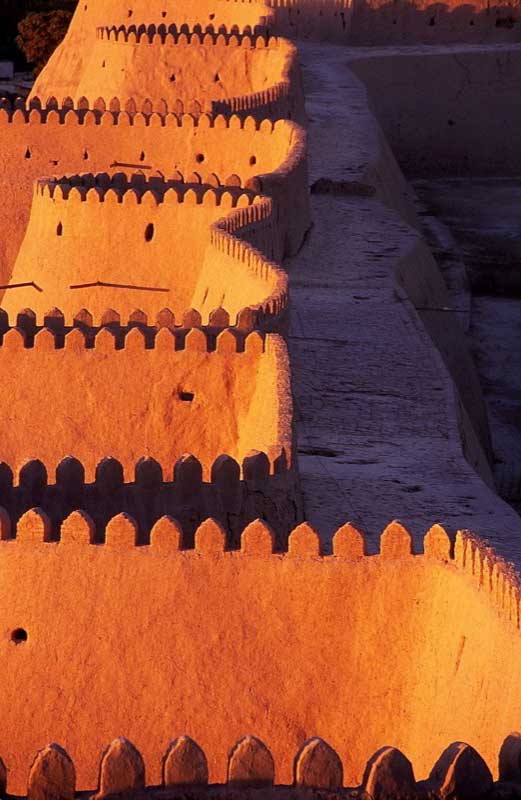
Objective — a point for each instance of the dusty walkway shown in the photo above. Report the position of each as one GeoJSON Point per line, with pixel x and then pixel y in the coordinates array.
{"type": "Point", "coordinates": [378, 435]}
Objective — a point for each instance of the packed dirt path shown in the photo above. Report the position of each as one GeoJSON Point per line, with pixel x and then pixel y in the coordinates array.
{"type": "Point", "coordinates": [378, 433]}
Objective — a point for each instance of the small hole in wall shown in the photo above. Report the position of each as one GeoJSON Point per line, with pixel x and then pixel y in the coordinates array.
{"type": "Point", "coordinates": [85, 155]}
{"type": "Point", "coordinates": [199, 158]}
{"type": "Point", "coordinates": [59, 229]}
{"type": "Point", "coordinates": [142, 155]}
{"type": "Point", "coordinates": [172, 78]}
{"type": "Point", "coordinates": [103, 64]}
{"type": "Point", "coordinates": [253, 160]}
{"type": "Point", "coordinates": [163, 14]}
{"type": "Point", "coordinates": [28, 153]}
{"type": "Point", "coordinates": [186, 397]}
{"type": "Point", "coordinates": [211, 16]}
{"type": "Point", "coordinates": [216, 77]}
{"type": "Point", "coordinates": [19, 635]}
{"type": "Point", "coordinates": [85, 8]}
{"type": "Point", "coordinates": [130, 12]}
{"type": "Point", "coordinates": [149, 232]}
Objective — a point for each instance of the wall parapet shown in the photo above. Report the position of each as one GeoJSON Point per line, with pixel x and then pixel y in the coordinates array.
{"type": "Point", "coordinates": [120, 188]}
{"type": "Point", "coordinates": [154, 495]}
{"type": "Point", "coordinates": [466, 553]}
{"type": "Point", "coordinates": [250, 764]}
{"type": "Point", "coordinates": [28, 325]}
{"type": "Point", "coordinates": [117, 111]}
{"type": "Point", "coordinates": [247, 236]}
{"type": "Point", "coordinates": [110, 335]}
{"type": "Point", "coordinates": [256, 37]}
{"type": "Point", "coordinates": [277, 100]}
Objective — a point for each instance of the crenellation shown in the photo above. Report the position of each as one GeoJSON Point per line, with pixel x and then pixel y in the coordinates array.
{"type": "Point", "coordinates": [348, 542]}
{"type": "Point", "coordinates": [250, 763]}
{"type": "Point", "coordinates": [78, 529]}
{"type": "Point", "coordinates": [122, 769]}
{"type": "Point", "coordinates": [460, 771]}
{"type": "Point", "coordinates": [318, 765]}
{"type": "Point", "coordinates": [163, 35]}
{"type": "Point", "coordinates": [395, 541]}
{"type": "Point", "coordinates": [389, 773]}
{"type": "Point", "coordinates": [54, 331]}
{"type": "Point", "coordinates": [184, 763]}
{"type": "Point", "coordinates": [149, 491]}
{"type": "Point", "coordinates": [52, 775]}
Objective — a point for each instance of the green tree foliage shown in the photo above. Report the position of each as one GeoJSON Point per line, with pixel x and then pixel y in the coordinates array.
{"type": "Point", "coordinates": [12, 12]}
{"type": "Point", "coordinates": [39, 33]}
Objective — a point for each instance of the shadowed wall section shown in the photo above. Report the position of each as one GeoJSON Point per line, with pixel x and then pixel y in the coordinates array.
{"type": "Point", "coordinates": [470, 124]}
{"type": "Point", "coordinates": [401, 22]}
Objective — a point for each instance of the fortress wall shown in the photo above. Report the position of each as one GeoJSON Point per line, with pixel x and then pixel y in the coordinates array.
{"type": "Point", "coordinates": [68, 61]}
{"type": "Point", "coordinates": [239, 264]}
{"type": "Point", "coordinates": [288, 186]}
{"type": "Point", "coordinates": [419, 277]}
{"type": "Point", "coordinates": [468, 98]}
{"type": "Point", "coordinates": [35, 143]}
{"type": "Point", "coordinates": [146, 249]}
{"type": "Point", "coordinates": [75, 241]}
{"type": "Point", "coordinates": [162, 71]}
{"type": "Point", "coordinates": [205, 668]}
{"type": "Point", "coordinates": [327, 20]}
{"type": "Point", "coordinates": [222, 72]}
{"type": "Point", "coordinates": [403, 22]}
{"type": "Point", "coordinates": [174, 390]}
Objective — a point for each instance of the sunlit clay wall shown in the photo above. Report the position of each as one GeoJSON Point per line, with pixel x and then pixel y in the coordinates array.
{"type": "Point", "coordinates": [421, 674]}
{"type": "Point", "coordinates": [67, 142]}
{"type": "Point", "coordinates": [69, 61]}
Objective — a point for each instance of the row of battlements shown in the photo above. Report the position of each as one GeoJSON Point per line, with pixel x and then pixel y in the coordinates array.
{"type": "Point", "coordinates": [460, 772]}
{"type": "Point", "coordinates": [141, 181]}
{"type": "Point", "coordinates": [158, 114]}
{"type": "Point", "coordinates": [257, 538]}
{"type": "Point", "coordinates": [109, 476]}
{"type": "Point", "coordinates": [54, 319]}
{"type": "Point", "coordinates": [256, 262]}
{"type": "Point", "coordinates": [243, 217]}
{"type": "Point", "coordinates": [145, 113]}
{"type": "Point", "coordinates": [159, 184]}
{"type": "Point", "coordinates": [490, 573]}
{"type": "Point", "coordinates": [110, 339]}
{"type": "Point", "coordinates": [226, 489]}
{"type": "Point", "coordinates": [274, 99]}
{"type": "Point", "coordinates": [162, 34]}
{"type": "Point", "coordinates": [134, 191]}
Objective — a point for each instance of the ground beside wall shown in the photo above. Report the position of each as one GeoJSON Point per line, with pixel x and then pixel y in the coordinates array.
{"type": "Point", "coordinates": [379, 425]}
